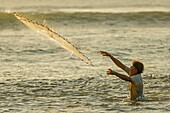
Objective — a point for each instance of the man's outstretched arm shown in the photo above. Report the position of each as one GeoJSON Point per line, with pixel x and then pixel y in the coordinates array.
{"type": "Point", "coordinates": [116, 61]}
{"type": "Point", "coordinates": [123, 77]}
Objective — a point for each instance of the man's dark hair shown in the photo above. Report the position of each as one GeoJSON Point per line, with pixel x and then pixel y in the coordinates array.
{"type": "Point", "coordinates": [139, 66]}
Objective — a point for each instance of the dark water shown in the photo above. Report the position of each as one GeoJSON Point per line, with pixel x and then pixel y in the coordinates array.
{"type": "Point", "coordinates": [108, 19]}
{"type": "Point", "coordinates": [39, 76]}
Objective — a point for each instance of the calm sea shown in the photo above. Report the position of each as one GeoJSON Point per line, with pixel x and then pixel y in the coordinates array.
{"type": "Point", "coordinates": [38, 76]}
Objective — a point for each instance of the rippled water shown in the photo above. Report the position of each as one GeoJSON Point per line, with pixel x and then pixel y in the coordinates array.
{"type": "Point", "coordinates": [37, 75]}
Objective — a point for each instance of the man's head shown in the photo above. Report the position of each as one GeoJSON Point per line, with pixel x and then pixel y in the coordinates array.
{"type": "Point", "coordinates": [136, 68]}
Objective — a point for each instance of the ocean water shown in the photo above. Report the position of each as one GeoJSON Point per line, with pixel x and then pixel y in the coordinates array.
{"type": "Point", "coordinates": [37, 75]}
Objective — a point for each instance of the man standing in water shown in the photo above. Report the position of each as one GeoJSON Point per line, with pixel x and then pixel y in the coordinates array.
{"type": "Point", "coordinates": [135, 79]}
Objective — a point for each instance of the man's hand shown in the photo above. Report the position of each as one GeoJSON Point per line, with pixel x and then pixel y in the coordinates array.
{"type": "Point", "coordinates": [111, 72]}
{"type": "Point", "coordinates": [105, 53]}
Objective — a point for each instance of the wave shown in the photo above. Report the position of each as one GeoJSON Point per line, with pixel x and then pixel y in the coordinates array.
{"type": "Point", "coordinates": [52, 9]}
{"type": "Point", "coordinates": [154, 18]}
{"type": "Point", "coordinates": [110, 10]}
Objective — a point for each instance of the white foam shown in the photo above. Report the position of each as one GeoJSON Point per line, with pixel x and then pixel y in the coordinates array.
{"type": "Point", "coordinates": [112, 10]}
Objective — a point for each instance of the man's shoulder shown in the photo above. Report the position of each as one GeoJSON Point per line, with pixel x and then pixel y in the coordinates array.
{"type": "Point", "coordinates": [136, 77]}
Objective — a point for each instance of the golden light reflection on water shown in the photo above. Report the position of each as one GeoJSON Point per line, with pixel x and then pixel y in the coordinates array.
{"type": "Point", "coordinates": [37, 75]}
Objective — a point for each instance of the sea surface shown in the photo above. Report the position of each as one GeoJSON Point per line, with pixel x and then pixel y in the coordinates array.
{"type": "Point", "coordinates": [38, 76]}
